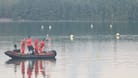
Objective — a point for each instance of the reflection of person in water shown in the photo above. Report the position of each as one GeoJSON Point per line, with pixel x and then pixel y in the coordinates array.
{"type": "Point", "coordinates": [37, 64]}
{"type": "Point", "coordinates": [30, 68]}
{"type": "Point", "coordinates": [23, 68]}
{"type": "Point", "coordinates": [42, 70]}
{"type": "Point", "coordinates": [36, 68]}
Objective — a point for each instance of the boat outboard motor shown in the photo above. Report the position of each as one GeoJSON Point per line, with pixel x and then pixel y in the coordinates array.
{"type": "Point", "coordinates": [54, 51]}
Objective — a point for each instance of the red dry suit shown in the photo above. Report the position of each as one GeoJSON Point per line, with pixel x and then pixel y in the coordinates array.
{"type": "Point", "coordinates": [36, 45]}
{"type": "Point", "coordinates": [42, 44]}
{"type": "Point", "coordinates": [23, 46]}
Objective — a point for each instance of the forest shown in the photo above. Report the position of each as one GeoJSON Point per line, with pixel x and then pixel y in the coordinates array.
{"type": "Point", "coordinates": [82, 10]}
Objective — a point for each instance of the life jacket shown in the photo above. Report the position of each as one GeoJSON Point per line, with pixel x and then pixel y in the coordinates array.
{"type": "Point", "coordinates": [29, 42]}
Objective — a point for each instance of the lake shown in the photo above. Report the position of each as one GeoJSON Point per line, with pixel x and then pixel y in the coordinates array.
{"type": "Point", "coordinates": [86, 56]}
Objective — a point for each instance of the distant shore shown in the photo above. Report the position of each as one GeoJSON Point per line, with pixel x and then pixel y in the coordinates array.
{"type": "Point", "coordinates": [6, 20]}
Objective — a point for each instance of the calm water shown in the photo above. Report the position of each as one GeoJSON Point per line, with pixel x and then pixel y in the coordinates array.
{"type": "Point", "coordinates": [96, 56]}
{"type": "Point", "coordinates": [66, 28]}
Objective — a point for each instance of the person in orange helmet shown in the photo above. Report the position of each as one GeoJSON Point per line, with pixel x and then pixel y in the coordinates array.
{"type": "Point", "coordinates": [42, 70]}
{"type": "Point", "coordinates": [42, 45]}
{"type": "Point", "coordinates": [36, 45]}
{"type": "Point", "coordinates": [22, 46]}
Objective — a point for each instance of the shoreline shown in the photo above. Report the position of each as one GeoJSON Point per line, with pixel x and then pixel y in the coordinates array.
{"type": "Point", "coordinates": [8, 20]}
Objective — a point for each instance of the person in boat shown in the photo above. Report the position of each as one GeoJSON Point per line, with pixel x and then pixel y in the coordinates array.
{"type": "Point", "coordinates": [22, 46]}
{"type": "Point", "coordinates": [36, 45]}
{"type": "Point", "coordinates": [42, 45]}
{"type": "Point", "coordinates": [29, 45]}
{"type": "Point", "coordinates": [15, 49]}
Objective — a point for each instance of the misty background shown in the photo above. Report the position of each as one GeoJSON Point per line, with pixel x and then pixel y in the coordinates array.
{"type": "Point", "coordinates": [68, 16]}
{"type": "Point", "coordinates": [90, 10]}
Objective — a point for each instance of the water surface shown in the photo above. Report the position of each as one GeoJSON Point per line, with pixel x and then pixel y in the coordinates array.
{"type": "Point", "coordinates": [96, 56]}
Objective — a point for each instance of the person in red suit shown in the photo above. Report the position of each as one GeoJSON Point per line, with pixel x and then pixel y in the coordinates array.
{"type": "Point", "coordinates": [29, 44]}
{"type": "Point", "coordinates": [22, 46]}
{"type": "Point", "coordinates": [36, 45]}
{"type": "Point", "coordinates": [42, 45]}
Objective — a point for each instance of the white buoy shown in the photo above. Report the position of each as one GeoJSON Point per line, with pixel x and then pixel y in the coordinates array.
{"type": "Point", "coordinates": [71, 37]}
{"type": "Point", "coordinates": [110, 25]}
{"type": "Point", "coordinates": [50, 27]}
{"type": "Point", "coordinates": [117, 35]}
{"type": "Point", "coordinates": [91, 26]}
{"type": "Point", "coordinates": [42, 27]}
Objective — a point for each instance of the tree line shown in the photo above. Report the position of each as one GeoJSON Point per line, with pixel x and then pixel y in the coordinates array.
{"type": "Point", "coordinates": [91, 10]}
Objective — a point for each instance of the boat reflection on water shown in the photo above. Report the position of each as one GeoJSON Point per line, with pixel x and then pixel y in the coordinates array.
{"type": "Point", "coordinates": [32, 67]}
